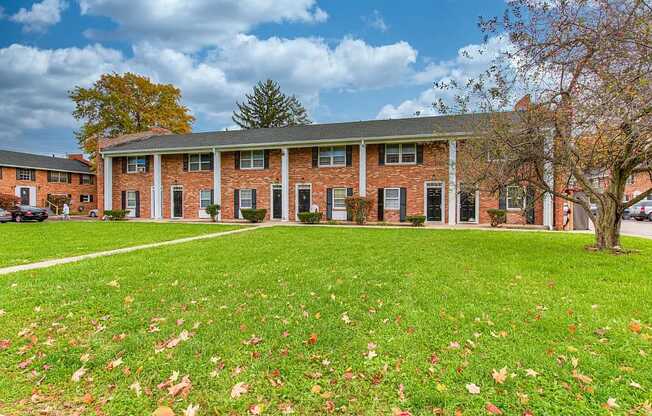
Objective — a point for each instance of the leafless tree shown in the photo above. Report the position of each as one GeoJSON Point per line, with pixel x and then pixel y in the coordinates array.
{"type": "Point", "coordinates": [587, 66]}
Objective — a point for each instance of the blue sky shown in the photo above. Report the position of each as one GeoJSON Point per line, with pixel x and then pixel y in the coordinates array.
{"type": "Point", "coordinates": [346, 60]}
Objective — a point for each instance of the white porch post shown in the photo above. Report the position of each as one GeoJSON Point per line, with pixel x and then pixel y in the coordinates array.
{"type": "Point", "coordinates": [548, 177]}
{"type": "Point", "coordinates": [285, 183]}
{"type": "Point", "coordinates": [108, 183]}
{"type": "Point", "coordinates": [158, 188]}
{"type": "Point", "coordinates": [452, 182]}
{"type": "Point", "coordinates": [217, 180]}
{"type": "Point", "coordinates": [363, 169]}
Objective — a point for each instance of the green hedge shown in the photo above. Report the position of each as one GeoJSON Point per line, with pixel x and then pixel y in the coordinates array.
{"type": "Point", "coordinates": [497, 216]}
{"type": "Point", "coordinates": [116, 214]}
{"type": "Point", "coordinates": [254, 215]}
{"type": "Point", "coordinates": [416, 220]}
{"type": "Point", "coordinates": [310, 217]}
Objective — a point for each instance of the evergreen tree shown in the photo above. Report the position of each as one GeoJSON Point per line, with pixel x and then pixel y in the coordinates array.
{"type": "Point", "coordinates": [267, 106]}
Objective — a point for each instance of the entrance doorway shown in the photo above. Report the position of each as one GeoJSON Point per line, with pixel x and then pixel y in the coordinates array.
{"type": "Point", "coordinates": [434, 201]}
{"type": "Point", "coordinates": [177, 201]}
{"type": "Point", "coordinates": [468, 204]}
{"type": "Point", "coordinates": [24, 196]}
{"type": "Point", "coordinates": [277, 202]}
{"type": "Point", "coordinates": [304, 198]}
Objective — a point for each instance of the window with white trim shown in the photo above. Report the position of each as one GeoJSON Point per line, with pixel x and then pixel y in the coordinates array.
{"type": "Point", "coordinates": [332, 156]}
{"type": "Point", "coordinates": [252, 159]}
{"type": "Point", "coordinates": [515, 197]}
{"type": "Point", "coordinates": [131, 201]}
{"type": "Point", "coordinates": [85, 198]}
{"type": "Point", "coordinates": [246, 199]}
{"type": "Point", "coordinates": [58, 177]}
{"type": "Point", "coordinates": [199, 162]}
{"type": "Point", "coordinates": [205, 198]}
{"type": "Point", "coordinates": [392, 198]}
{"type": "Point", "coordinates": [24, 174]}
{"type": "Point", "coordinates": [339, 198]}
{"type": "Point", "coordinates": [403, 153]}
{"type": "Point", "coordinates": [87, 179]}
{"type": "Point", "coordinates": [136, 164]}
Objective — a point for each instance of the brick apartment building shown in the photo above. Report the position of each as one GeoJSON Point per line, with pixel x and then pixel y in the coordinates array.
{"type": "Point", "coordinates": [35, 179]}
{"type": "Point", "coordinates": [407, 166]}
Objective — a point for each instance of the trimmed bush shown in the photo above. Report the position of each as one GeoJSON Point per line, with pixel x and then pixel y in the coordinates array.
{"type": "Point", "coordinates": [310, 217]}
{"type": "Point", "coordinates": [116, 214]}
{"type": "Point", "coordinates": [8, 201]}
{"type": "Point", "coordinates": [213, 210]}
{"type": "Point", "coordinates": [416, 220]}
{"type": "Point", "coordinates": [254, 215]}
{"type": "Point", "coordinates": [497, 216]}
{"type": "Point", "coordinates": [359, 207]}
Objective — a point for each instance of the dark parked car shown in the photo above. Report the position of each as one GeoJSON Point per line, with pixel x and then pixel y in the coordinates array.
{"type": "Point", "coordinates": [5, 216]}
{"type": "Point", "coordinates": [641, 211]}
{"type": "Point", "coordinates": [27, 213]}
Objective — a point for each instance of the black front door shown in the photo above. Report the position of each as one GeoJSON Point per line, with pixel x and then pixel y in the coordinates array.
{"type": "Point", "coordinates": [433, 201]}
{"type": "Point", "coordinates": [467, 206]}
{"type": "Point", "coordinates": [24, 196]}
{"type": "Point", "coordinates": [304, 200]}
{"type": "Point", "coordinates": [177, 203]}
{"type": "Point", "coordinates": [277, 203]}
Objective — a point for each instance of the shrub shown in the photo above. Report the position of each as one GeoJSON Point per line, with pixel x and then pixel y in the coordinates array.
{"type": "Point", "coordinates": [332, 222]}
{"type": "Point", "coordinates": [310, 217]}
{"type": "Point", "coordinates": [254, 215]}
{"type": "Point", "coordinates": [359, 208]}
{"type": "Point", "coordinates": [416, 220]}
{"type": "Point", "coordinates": [497, 216]}
{"type": "Point", "coordinates": [213, 210]}
{"type": "Point", "coordinates": [8, 201]}
{"type": "Point", "coordinates": [116, 214]}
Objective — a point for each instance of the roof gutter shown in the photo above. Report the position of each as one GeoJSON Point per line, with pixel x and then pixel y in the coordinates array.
{"type": "Point", "coordinates": [49, 169]}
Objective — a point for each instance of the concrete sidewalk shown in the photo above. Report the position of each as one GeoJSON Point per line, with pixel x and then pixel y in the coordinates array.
{"type": "Point", "coordinates": [65, 260]}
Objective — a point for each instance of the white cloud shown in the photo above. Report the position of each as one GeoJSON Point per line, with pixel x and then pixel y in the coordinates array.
{"type": "Point", "coordinates": [471, 61]}
{"type": "Point", "coordinates": [376, 21]}
{"type": "Point", "coordinates": [40, 16]}
{"type": "Point", "coordinates": [192, 24]}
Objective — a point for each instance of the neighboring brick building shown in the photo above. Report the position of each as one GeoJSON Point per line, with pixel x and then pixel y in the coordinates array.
{"type": "Point", "coordinates": [35, 178]}
{"type": "Point", "coordinates": [407, 166]}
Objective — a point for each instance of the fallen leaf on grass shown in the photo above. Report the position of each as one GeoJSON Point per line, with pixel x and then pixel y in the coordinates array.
{"type": "Point", "coordinates": [88, 398]}
{"type": "Point", "coordinates": [635, 385]}
{"type": "Point", "coordinates": [493, 409]}
{"type": "Point", "coordinates": [581, 377]}
{"type": "Point", "coordinates": [256, 409]}
{"type": "Point", "coordinates": [113, 283]}
{"type": "Point", "coordinates": [77, 375]}
{"type": "Point", "coordinates": [499, 376]}
{"type": "Point", "coordinates": [472, 388]}
{"type": "Point", "coordinates": [531, 373]}
{"type": "Point", "coordinates": [239, 389]}
{"type": "Point", "coordinates": [4, 344]}
{"type": "Point", "coordinates": [611, 404]}
{"type": "Point", "coordinates": [191, 410]}
{"type": "Point", "coordinates": [135, 386]}
{"type": "Point", "coordinates": [114, 364]}
{"type": "Point", "coordinates": [183, 387]}
{"type": "Point", "coordinates": [635, 326]}
{"type": "Point", "coordinates": [163, 411]}
{"type": "Point", "coordinates": [313, 339]}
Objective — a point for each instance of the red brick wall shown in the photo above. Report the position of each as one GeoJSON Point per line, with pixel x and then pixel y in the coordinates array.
{"type": "Point", "coordinates": [141, 182]}
{"type": "Point", "coordinates": [411, 177]}
{"type": "Point", "coordinates": [258, 179]}
{"type": "Point", "coordinates": [8, 184]}
{"type": "Point", "coordinates": [172, 173]}
{"type": "Point", "coordinates": [321, 178]}
{"type": "Point", "coordinates": [641, 184]}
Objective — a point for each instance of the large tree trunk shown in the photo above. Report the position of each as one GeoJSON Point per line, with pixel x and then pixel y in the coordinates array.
{"type": "Point", "coordinates": [607, 226]}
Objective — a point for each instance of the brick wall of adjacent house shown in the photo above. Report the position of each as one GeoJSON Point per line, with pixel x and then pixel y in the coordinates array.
{"type": "Point", "coordinates": [640, 182]}
{"type": "Point", "coordinates": [9, 183]}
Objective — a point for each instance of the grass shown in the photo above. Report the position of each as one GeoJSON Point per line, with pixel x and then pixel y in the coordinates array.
{"type": "Point", "coordinates": [365, 321]}
{"type": "Point", "coordinates": [30, 242]}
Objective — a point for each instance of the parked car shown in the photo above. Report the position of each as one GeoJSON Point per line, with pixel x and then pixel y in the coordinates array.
{"type": "Point", "coordinates": [27, 213]}
{"type": "Point", "coordinates": [5, 216]}
{"type": "Point", "coordinates": [641, 211]}
{"type": "Point", "coordinates": [626, 213]}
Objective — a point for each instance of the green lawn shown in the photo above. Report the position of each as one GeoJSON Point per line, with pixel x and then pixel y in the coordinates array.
{"type": "Point", "coordinates": [362, 321]}
{"type": "Point", "coordinates": [29, 242]}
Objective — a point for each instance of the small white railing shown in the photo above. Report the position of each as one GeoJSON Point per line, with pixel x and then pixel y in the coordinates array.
{"type": "Point", "coordinates": [53, 207]}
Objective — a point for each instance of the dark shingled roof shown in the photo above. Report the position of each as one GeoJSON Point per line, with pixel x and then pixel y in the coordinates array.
{"type": "Point", "coordinates": [32, 161]}
{"type": "Point", "coordinates": [374, 129]}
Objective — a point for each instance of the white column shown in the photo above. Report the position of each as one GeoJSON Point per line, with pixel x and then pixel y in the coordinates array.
{"type": "Point", "coordinates": [548, 177]}
{"type": "Point", "coordinates": [285, 183]}
{"type": "Point", "coordinates": [363, 169]}
{"type": "Point", "coordinates": [108, 183]}
{"type": "Point", "coordinates": [158, 188]}
{"type": "Point", "coordinates": [217, 180]}
{"type": "Point", "coordinates": [452, 182]}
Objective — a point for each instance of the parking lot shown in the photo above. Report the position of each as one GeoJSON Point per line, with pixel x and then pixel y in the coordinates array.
{"type": "Point", "coordinates": [632, 227]}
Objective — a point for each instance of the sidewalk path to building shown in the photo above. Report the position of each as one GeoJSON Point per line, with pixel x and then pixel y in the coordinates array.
{"type": "Point", "coordinates": [65, 260]}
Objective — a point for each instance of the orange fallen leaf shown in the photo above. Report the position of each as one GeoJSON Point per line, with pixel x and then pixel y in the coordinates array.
{"type": "Point", "coordinates": [163, 411]}
{"type": "Point", "coordinates": [239, 389]}
{"type": "Point", "coordinates": [499, 376]}
{"type": "Point", "coordinates": [493, 409]}
{"type": "Point", "coordinates": [313, 339]}
{"type": "Point", "coordinates": [635, 326]}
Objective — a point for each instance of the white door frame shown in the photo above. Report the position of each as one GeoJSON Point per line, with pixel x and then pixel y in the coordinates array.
{"type": "Point", "coordinates": [131, 212]}
{"type": "Point", "coordinates": [477, 207]}
{"type": "Point", "coordinates": [296, 198]}
{"type": "Point", "coordinates": [32, 194]}
{"type": "Point", "coordinates": [152, 192]}
{"type": "Point", "coordinates": [434, 184]}
{"type": "Point", "coordinates": [271, 200]}
{"type": "Point", "coordinates": [172, 189]}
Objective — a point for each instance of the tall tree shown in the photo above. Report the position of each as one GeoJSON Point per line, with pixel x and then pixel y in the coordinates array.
{"type": "Point", "coordinates": [587, 65]}
{"type": "Point", "coordinates": [268, 106]}
{"type": "Point", "coordinates": [119, 104]}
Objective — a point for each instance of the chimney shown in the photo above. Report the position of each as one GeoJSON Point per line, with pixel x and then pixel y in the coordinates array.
{"type": "Point", "coordinates": [154, 131]}
{"type": "Point", "coordinates": [79, 157]}
{"type": "Point", "coordinates": [523, 104]}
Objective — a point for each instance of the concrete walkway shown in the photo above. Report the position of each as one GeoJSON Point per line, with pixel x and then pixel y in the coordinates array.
{"type": "Point", "coordinates": [65, 260]}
